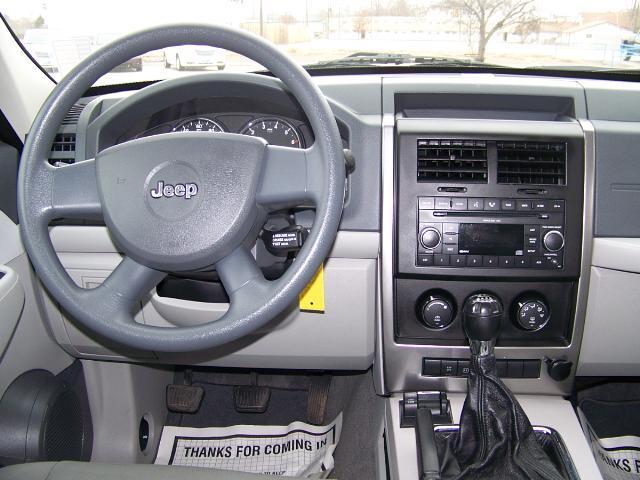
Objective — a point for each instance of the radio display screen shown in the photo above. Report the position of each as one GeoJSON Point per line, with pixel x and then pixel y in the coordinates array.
{"type": "Point", "coordinates": [490, 239]}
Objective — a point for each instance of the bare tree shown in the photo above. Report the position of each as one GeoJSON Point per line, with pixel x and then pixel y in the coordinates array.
{"type": "Point", "coordinates": [528, 28]}
{"type": "Point", "coordinates": [362, 23]}
{"type": "Point", "coordinates": [489, 16]}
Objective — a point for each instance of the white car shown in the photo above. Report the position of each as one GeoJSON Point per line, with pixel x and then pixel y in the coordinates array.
{"type": "Point", "coordinates": [194, 57]}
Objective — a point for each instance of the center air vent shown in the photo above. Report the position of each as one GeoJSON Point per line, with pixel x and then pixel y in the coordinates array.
{"type": "Point", "coordinates": [533, 163]}
{"type": "Point", "coordinates": [63, 149]}
{"type": "Point", "coordinates": [452, 161]}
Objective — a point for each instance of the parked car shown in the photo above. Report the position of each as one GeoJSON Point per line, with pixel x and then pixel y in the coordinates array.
{"type": "Point", "coordinates": [194, 57]}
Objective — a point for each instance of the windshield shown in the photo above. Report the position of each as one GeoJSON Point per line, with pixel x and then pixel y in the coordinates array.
{"type": "Point", "coordinates": [333, 34]}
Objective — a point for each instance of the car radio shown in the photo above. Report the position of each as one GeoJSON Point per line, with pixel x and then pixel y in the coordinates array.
{"type": "Point", "coordinates": [490, 232]}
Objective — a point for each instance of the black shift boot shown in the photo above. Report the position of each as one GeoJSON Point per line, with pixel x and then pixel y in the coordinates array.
{"type": "Point", "coordinates": [495, 440]}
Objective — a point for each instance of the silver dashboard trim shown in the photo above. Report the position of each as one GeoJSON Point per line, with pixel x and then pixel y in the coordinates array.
{"type": "Point", "coordinates": [401, 363]}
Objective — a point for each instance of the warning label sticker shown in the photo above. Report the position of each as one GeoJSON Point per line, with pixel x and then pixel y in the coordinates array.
{"type": "Point", "coordinates": [618, 458]}
{"type": "Point", "coordinates": [298, 449]}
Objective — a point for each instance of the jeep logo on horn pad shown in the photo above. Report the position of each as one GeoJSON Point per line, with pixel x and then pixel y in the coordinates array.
{"type": "Point", "coordinates": [186, 190]}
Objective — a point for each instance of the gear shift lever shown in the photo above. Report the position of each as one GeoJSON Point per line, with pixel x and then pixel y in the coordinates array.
{"type": "Point", "coordinates": [481, 316]}
{"type": "Point", "coordinates": [495, 439]}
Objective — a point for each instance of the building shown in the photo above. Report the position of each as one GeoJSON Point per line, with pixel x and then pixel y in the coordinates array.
{"type": "Point", "coordinates": [601, 33]}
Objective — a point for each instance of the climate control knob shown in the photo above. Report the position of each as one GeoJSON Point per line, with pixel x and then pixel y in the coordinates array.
{"type": "Point", "coordinates": [532, 314]}
{"type": "Point", "coordinates": [436, 311]}
{"type": "Point", "coordinates": [553, 240]}
{"type": "Point", "coordinates": [430, 238]}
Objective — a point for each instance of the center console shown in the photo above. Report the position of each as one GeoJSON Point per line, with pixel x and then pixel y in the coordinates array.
{"type": "Point", "coordinates": [491, 205]}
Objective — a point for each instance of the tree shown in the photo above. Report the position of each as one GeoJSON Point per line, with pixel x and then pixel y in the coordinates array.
{"type": "Point", "coordinates": [528, 28]}
{"type": "Point", "coordinates": [487, 17]}
{"type": "Point", "coordinates": [362, 23]}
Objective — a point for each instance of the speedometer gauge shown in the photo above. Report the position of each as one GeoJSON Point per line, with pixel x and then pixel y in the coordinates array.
{"type": "Point", "coordinates": [199, 125]}
{"type": "Point", "coordinates": [275, 131]}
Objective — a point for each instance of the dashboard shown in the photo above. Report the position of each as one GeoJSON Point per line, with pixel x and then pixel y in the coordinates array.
{"type": "Point", "coordinates": [463, 183]}
{"type": "Point", "coordinates": [204, 115]}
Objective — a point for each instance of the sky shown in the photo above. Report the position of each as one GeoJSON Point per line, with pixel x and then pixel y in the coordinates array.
{"type": "Point", "coordinates": [125, 15]}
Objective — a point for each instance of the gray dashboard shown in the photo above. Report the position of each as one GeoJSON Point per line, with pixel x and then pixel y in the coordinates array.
{"type": "Point", "coordinates": [365, 107]}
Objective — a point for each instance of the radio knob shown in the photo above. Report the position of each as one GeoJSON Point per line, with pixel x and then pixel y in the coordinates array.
{"type": "Point", "coordinates": [553, 241]}
{"type": "Point", "coordinates": [430, 238]}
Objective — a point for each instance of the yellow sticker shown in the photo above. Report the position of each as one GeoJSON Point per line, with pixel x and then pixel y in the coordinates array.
{"type": "Point", "coordinates": [312, 297]}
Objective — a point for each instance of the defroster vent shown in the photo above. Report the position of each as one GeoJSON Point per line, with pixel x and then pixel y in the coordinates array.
{"type": "Point", "coordinates": [452, 161]}
{"type": "Point", "coordinates": [532, 163]}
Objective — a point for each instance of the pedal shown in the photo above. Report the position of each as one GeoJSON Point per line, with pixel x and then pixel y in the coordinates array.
{"type": "Point", "coordinates": [317, 399]}
{"type": "Point", "coordinates": [184, 398]}
{"type": "Point", "coordinates": [251, 398]}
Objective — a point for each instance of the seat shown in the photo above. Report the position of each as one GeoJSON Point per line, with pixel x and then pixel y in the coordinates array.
{"type": "Point", "coordinates": [103, 471]}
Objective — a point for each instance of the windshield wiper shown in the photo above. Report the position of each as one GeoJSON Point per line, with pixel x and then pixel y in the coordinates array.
{"type": "Point", "coordinates": [368, 59]}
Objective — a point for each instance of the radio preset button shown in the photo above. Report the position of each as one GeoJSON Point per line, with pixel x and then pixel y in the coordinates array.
{"type": "Point", "coordinates": [492, 204]}
{"type": "Point", "coordinates": [490, 261]}
{"type": "Point", "coordinates": [506, 262]}
{"type": "Point", "coordinates": [476, 204]}
{"type": "Point", "coordinates": [441, 260]}
{"type": "Point", "coordinates": [442, 203]}
{"type": "Point", "coordinates": [521, 262]}
{"type": "Point", "coordinates": [458, 260]}
{"type": "Point", "coordinates": [474, 260]}
{"type": "Point", "coordinates": [507, 204]}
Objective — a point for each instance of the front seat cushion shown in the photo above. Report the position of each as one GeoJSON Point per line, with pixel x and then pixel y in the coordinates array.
{"type": "Point", "coordinates": [104, 471]}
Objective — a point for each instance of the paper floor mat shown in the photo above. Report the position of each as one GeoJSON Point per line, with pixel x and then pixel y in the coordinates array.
{"type": "Point", "coordinates": [298, 449]}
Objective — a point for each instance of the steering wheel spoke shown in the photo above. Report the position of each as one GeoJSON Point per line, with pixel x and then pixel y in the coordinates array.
{"type": "Point", "coordinates": [290, 178]}
{"type": "Point", "coordinates": [74, 191]}
{"type": "Point", "coordinates": [237, 270]}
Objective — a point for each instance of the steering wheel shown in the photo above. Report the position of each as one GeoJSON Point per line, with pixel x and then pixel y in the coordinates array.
{"type": "Point", "coordinates": [181, 201]}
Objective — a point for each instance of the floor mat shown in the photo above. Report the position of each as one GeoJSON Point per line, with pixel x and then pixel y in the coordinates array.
{"type": "Point", "coordinates": [350, 393]}
{"type": "Point", "coordinates": [299, 449]}
{"type": "Point", "coordinates": [610, 418]}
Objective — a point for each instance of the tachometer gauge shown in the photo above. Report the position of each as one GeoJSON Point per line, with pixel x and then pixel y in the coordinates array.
{"type": "Point", "coordinates": [199, 125]}
{"type": "Point", "coordinates": [274, 130]}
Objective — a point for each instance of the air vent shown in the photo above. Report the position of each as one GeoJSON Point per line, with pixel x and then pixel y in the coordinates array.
{"type": "Point", "coordinates": [74, 114]}
{"type": "Point", "coordinates": [532, 163]}
{"type": "Point", "coordinates": [63, 149]}
{"type": "Point", "coordinates": [452, 161]}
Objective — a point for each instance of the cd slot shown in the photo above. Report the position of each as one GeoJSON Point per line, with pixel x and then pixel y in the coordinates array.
{"type": "Point", "coordinates": [457, 213]}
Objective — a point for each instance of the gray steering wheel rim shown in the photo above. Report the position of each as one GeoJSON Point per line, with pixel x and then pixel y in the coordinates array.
{"type": "Point", "coordinates": [107, 309]}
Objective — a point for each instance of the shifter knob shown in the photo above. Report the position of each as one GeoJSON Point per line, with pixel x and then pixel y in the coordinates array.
{"type": "Point", "coordinates": [481, 316]}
